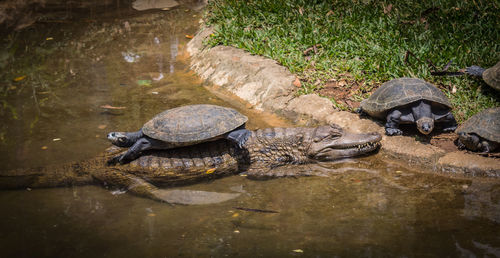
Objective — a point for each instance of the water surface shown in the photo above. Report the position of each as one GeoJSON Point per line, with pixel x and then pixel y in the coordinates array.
{"type": "Point", "coordinates": [109, 71]}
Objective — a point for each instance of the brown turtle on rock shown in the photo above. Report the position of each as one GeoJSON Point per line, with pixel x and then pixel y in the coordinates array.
{"type": "Point", "coordinates": [410, 101]}
{"type": "Point", "coordinates": [182, 126]}
{"type": "Point", "coordinates": [481, 132]}
{"type": "Point", "coordinates": [491, 75]}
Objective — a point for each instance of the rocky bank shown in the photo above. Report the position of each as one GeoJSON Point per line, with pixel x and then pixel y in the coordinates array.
{"type": "Point", "coordinates": [269, 86]}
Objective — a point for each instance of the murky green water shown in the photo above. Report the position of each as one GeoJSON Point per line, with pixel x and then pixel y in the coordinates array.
{"type": "Point", "coordinates": [57, 113]}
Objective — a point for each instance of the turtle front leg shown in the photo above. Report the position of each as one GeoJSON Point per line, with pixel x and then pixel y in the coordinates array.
{"type": "Point", "coordinates": [449, 123]}
{"type": "Point", "coordinates": [489, 146]}
{"type": "Point", "coordinates": [475, 70]}
{"type": "Point", "coordinates": [239, 137]}
{"type": "Point", "coordinates": [469, 141]}
{"type": "Point", "coordinates": [133, 152]}
{"type": "Point", "coordinates": [392, 124]}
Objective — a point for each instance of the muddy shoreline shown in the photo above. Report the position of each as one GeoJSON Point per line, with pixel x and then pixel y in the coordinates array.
{"type": "Point", "coordinates": [270, 87]}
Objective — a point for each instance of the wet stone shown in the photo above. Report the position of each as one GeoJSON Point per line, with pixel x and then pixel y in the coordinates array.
{"type": "Point", "coordinates": [469, 164]}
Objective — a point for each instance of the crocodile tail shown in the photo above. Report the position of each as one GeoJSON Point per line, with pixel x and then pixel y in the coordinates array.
{"type": "Point", "coordinates": [50, 176]}
{"type": "Point", "coordinates": [72, 173]}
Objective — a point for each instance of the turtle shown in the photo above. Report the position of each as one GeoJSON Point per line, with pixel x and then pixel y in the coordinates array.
{"type": "Point", "coordinates": [481, 132]}
{"type": "Point", "coordinates": [182, 126]}
{"type": "Point", "coordinates": [491, 75]}
{"type": "Point", "coordinates": [408, 101]}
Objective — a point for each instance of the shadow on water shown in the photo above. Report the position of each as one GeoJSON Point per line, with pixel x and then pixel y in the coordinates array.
{"type": "Point", "coordinates": [66, 84]}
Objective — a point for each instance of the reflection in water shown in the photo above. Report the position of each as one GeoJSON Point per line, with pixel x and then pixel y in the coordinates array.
{"type": "Point", "coordinates": [150, 224]}
{"type": "Point", "coordinates": [130, 57]}
{"type": "Point", "coordinates": [482, 200]}
{"type": "Point", "coordinates": [353, 207]}
{"type": "Point", "coordinates": [173, 53]}
{"type": "Point", "coordinates": [159, 60]}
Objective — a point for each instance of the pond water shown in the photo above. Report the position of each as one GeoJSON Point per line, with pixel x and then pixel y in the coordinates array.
{"type": "Point", "coordinates": [66, 83]}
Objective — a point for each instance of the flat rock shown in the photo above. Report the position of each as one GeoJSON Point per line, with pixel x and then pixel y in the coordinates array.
{"type": "Point", "coordinates": [351, 122]}
{"type": "Point", "coordinates": [260, 81]}
{"type": "Point", "coordinates": [142, 5]}
{"type": "Point", "coordinates": [309, 106]}
{"type": "Point", "coordinates": [469, 164]}
{"type": "Point", "coordinates": [407, 149]}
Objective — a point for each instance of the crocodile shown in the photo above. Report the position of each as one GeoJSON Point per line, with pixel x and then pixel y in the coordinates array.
{"type": "Point", "coordinates": [262, 153]}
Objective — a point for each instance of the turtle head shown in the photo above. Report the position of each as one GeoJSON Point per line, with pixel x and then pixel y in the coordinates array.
{"type": "Point", "coordinates": [425, 125]}
{"type": "Point", "coordinates": [121, 139]}
{"type": "Point", "coordinates": [469, 141]}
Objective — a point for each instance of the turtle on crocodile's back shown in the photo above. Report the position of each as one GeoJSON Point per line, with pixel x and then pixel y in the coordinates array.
{"type": "Point", "coordinates": [182, 126]}
{"type": "Point", "coordinates": [409, 101]}
{"type": "Point", "coordinates": [261, 155]}
{"type": "Point", "coordinates": [481, 132]}
{"type": "Point", "coordinates": [491, 75]}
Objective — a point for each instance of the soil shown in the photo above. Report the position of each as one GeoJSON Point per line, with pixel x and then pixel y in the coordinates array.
{"type": "Point", "coordinates": [444, 141]}
{"type": "Point", "coordinates": [343, 93]}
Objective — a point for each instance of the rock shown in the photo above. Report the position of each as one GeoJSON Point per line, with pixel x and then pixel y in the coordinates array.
{"type": "Point", "coordinates": [142, 5]}
{"type": "Point", "coordinates": [309, 106]}
{"type": "Point", "coordinates": [260, 81]}
{"type": "Point", "coordinates": [353, 123]}
{"type": "Point", "coordinates": [469, 164]}
{"type": "Point", "coordinates": [410, 151]}
{"type": "Point", "coordinates": [195, 45]}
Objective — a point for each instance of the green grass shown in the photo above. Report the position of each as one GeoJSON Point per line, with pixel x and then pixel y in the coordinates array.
{"type": "Point", "coordinates": [365, 42]}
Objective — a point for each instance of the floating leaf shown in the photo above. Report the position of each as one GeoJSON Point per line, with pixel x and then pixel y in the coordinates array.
{"type": "Point", "coordinates": [56, 139]}
{"type": "Point", "coordinates": [298, 251]}
{"type": "Point", "coordinates": [236, 231]}
{"type": "Point", "coordinates": [151, 215]}
{"type": "Point", "coordinates": [144, 82]}
{"type": "Point", "coordinates": [111, 107]}
{"type": "Point", "coordinates": [44, 147]}
{"type": "Point", "coordinates": [49, 38]}
{"type": "Point", "coordinates": [235, 215]}
{"type": "Point", "coordinates": [20, 78]}
{"type": "Point", "coordinates": [210, 171]}
{"type": "Point", "coordinates": [102, 126]}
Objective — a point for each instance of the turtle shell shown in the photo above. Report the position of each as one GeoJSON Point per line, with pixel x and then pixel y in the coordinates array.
{"type": "Point", "coordinates": [193, 123]}
{"type": "Point", "coordinates": [485, 124]}
{"type": "Point", "coordinates": [492, 76]}
{"type": "Point", "coordinates": [400, 92]}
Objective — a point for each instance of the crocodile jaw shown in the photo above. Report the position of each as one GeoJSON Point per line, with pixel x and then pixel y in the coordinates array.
{"type": "Point", "coordinates": [348, 145]}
